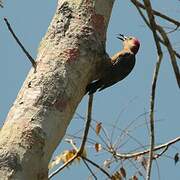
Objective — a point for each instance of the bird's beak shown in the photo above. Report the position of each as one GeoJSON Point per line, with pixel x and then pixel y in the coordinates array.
{"type": "Point", "coordinates": [121, 37]}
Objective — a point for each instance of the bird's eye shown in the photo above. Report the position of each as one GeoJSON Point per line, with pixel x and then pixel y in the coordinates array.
{"type": "Point", "coordinates": [130, 38]}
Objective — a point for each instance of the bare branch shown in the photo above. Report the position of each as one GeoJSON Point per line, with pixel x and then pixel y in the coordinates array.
{"type": "Point", "coordinates": [151, 23]}
{"type": "Point", "coordinates": [80, 151]}
{"type": "Point", "coordinates": [1, 4]}
{"type": "Point", "coordinates": [152, 103]}
{"type": "Point", "coordinates": [72, 143]}
{"type": "Point", "coordinates": [160, 154]}
{"type": "Point", "coordinates": [63, 166]}
{"type": "Point", "coordinates": [171, 53]}
{"type": "Point", "coordinates": [177, 55]}
{"type": "Point", "coordinates": [20, 44]}
{"type": "Point", "coordinates": [159, 147]}
{"type": "Point", "coordinates": [90, 169]}
{"type": "Point", "coordinates": [157, 13]}
{"type": "Point", "coordinates": [99, 167]}
{"type": "Point", "coordinates": [88, 122]}
{"type": "Point", "coordinates": [154, 82]}
{"type": "Point", "coordinates": [173, 30]}
{"type": "Point", "coordinates": [165, 40]}
{"type": "Point", "coordinates": [146, 20]}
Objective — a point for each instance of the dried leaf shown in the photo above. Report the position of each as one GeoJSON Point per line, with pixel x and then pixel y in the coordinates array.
{"type": "Point", "coordinates": [176, 158]}
{"type": "Point", "coordinates": [98, 128]}
{"type": "Point", "coordinates": [98, 147]}
{"type": "Point", "coordinates": [107, 163]}
{"type": "Point", "coordinates": [68, 155]}
{"type": "Point", "coordinates": [144, 162]}
{"type": "Point", "coordinates": [63, 157]}
{"type": "Point", "coordinates": [123, 172]}
{"type": "Point", "coordinates": [55, 161]}
{"type": "Point", "coordinates": [134, 178]}
{"type": "Point", "coordinates": [116, 176]}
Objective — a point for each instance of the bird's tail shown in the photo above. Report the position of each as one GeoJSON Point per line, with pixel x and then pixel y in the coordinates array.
{"type": "Point", "coordinates": [93, 86]}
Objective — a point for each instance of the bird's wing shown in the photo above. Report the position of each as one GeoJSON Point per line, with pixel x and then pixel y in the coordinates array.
{"type": "Point", "coordinates": [121, 56]}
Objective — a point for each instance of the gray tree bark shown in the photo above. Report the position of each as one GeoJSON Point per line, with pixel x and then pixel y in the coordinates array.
{"type": "Point", "coordinates": [69, 57]}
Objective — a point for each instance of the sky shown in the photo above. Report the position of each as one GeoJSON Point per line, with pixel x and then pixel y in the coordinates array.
{"type": "Point", "coordinates": [126, 102]}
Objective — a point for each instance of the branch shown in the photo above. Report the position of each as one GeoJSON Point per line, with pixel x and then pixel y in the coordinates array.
{"type": "Point", "coordinates": [90, 169]}
{"type": "Point", "coordinates": [88, 122]}
{"type": "Point", "coordinates": [63, 166]}
{"type": "Point", "coordinates": [173, 30]}
{"type": "Point", "coordinates": [20, 44]}
{"type": "Point", "coordinates": [165, 41]}
{"type": "Point", "coordinates": [99, 167]}
{"type": "Point", "coordinates": [133, 155]}
{"type": "Point", "coordinates": [157, 13]}
{"type": "Point", "coordinates": [1, 4]}
{"type": "Point", "coordinates": [154, 82]}
{"type": "Point", "coordinates": [171, 53]}
{"type": "Point", "coordinates": [152, 103]}
{"type": "Point", "coordinates": [177, 55]}
{"type": "Point", "coordinates": [145, 20]}
{"type": "Point", "coordinates": [80, 151]}
{"type": "Point", "coordinates": [138, 5]}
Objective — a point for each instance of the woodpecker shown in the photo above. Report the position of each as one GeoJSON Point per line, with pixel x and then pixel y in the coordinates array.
{"type": "Point", "coordinates": [121, 64]}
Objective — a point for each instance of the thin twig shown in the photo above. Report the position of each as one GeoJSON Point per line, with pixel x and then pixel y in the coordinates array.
{"type": "Point", "coordinates": [115, 124]}
{"type": "Point", "coordinates": [20, 44]}
{"type": "Point", "coordinates": [175, 29]}
{"type": "Point", "coordinates": [159, 147]}
{"type": "Point", "coordinates": [171, 53]}
{"type": "Point", "coordinates": [87, 126]}
{"type": "Point", "coordinates": [138, 5]}
{"type": "Point", "coordinates": [72, 144]}
{"type": "Point", "coordinates": [62, 167]}
{"type": "Point", "coordinates": [157, 13]}
{"type": "Point", "coordinates": [107, 138]}
{"type": "Point", "coordinates": [80, 151]}
{"type": "Point", "coordinates": [99, 136]}
{"type": "Point", "coordinates": [153, 25]}
{"type": "Point", "coordinates": [138, 169]}
{"type": "Point", "coordinates": [160, 154]}
{"type": "Point", "coordinates": [177, 54]}
{"type": "Point", "coordinates": [126, 131]}
{"type": "Point", "coordinates": [97, 166]}
{"type": "Point", "coordinates": [153, 90]}
{"type": "Point", "coordinates": [86, 164]}
{"type": "Point", "coordinates": [158, 170]}
{"type": "Point", "coordinates": [1, 4]}
{"type": "Point", "coordinates": [152, 103]}
{"type": "Point", "coordinates": [145, 20]}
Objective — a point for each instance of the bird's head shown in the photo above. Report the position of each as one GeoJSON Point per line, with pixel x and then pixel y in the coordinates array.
{"type": "Point", "coordinates": [130, 43]}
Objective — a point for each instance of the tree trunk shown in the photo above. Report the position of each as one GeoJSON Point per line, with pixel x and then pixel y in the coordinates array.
{"type": "Point", "coordinates": [68, 59]}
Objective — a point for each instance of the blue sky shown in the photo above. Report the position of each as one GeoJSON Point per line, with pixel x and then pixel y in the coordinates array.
{"type": "Point", "coordinates": [125, 101]}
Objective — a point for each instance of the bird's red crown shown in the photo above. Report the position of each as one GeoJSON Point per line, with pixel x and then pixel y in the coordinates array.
{"type": "Point", "coordinates": [136, 42]}
{"type": "Point", "coordinates": [136, 45]}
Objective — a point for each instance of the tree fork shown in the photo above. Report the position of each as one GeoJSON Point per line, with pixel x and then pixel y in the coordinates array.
{"type": "Point", "coordinates": [68, 59]}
